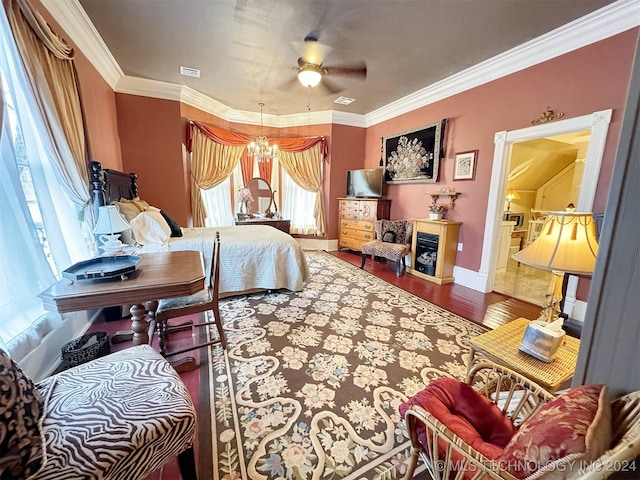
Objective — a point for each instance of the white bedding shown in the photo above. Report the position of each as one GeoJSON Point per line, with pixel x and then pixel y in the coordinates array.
{"type": "Point", "coordinates": [252, 257]}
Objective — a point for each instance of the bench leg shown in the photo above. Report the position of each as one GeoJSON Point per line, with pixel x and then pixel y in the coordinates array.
{"type": "Point", "coordinates": [187, 465]}
{"type": "Point", "coordinates": [364, 259]}
{"type": "Point", "coordinates": [398, 268]}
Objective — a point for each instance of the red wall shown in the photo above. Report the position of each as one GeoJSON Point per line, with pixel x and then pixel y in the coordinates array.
{"type": "Point", "coordinates": [592, 78]}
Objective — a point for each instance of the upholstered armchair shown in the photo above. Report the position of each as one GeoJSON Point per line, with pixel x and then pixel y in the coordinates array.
{"type": "Point", "coordinates": [121, 416]}
{"type": "Point", "coordinates": [393, 242]}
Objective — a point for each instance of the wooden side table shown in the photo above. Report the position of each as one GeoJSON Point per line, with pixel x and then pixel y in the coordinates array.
{"type": "Point", "coordinates": [502, 346]}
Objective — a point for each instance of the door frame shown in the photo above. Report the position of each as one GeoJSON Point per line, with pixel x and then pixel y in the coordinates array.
{"type": "Point", "coordinates": [598, 124]}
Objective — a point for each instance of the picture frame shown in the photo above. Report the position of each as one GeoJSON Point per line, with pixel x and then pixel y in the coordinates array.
{"type": "Point", "coordinates": [413, 156]}
{"type": "Point", "coordinates": [465, 165]}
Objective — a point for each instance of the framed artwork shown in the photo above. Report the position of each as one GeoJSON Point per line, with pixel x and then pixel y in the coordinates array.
{"type": "Point", "coordinates": [413, 156]}
{"type": "Point", "coordinates": [465, 167]}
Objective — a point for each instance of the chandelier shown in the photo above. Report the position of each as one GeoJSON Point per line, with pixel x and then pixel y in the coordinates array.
{"type": "Point", "coordinates": [260, 149]}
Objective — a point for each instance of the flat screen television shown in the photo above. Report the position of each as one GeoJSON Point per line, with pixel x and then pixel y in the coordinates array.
{"type": "Point", "coordinates": [366, 182]}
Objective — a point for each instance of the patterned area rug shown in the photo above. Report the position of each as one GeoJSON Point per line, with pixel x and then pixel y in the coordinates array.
{"type": "Point", "coordinates": [310, 384]}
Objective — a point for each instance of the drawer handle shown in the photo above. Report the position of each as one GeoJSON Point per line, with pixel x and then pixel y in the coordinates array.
{"type": "Point", "coordinates": [367, 236]}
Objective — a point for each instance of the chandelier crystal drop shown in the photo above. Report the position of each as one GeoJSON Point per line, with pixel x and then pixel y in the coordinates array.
{"type": "Point", "coordinates": [260, 148]}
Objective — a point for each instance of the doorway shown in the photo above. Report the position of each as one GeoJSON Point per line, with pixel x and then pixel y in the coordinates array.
{"type": "Point", "coordinates": [597, 124]}
{"type": "Point", "coordinates": [545, 175]}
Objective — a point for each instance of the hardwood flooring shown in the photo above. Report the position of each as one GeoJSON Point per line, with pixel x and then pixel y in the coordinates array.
{"type": "Point", "coordinates": [490, 309]}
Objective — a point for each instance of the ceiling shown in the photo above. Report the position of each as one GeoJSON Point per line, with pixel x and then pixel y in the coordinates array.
{"type": "Point", "coordinates": [246, 50]}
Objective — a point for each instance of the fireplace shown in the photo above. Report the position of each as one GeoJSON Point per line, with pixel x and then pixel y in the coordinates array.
{"type": "Point", "coordinates": [426, 253]}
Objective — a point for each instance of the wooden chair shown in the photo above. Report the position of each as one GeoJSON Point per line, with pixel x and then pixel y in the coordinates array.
{"type": "Point", "coordinates": [518, 398]}
{"type": "Point", "coordinates": [200, 302]}
{"type": "Point", "coordinates": [393, 242]}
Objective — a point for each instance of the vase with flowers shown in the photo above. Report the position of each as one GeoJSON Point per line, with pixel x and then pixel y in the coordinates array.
{"type": "Point", "coordinates": [436, 211]}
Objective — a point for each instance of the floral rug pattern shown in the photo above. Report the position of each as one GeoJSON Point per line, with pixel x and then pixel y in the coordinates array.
{"type": "Point", "coordinates": [310, 384]}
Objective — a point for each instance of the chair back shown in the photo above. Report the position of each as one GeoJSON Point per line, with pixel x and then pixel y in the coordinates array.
{"type": "Point", "coordinates": [214, 287]}
{"type": "Point", "coordinates": [402, 230]}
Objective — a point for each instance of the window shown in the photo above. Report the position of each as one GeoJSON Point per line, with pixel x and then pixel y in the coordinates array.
{"type": "Point", "coordinates": [41, 230]}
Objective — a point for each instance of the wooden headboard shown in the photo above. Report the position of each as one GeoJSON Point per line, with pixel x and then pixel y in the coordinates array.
{"type": "Point", "coordinates": [109, 185]}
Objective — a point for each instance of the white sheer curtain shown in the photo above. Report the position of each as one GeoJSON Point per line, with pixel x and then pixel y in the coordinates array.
{"type": "Point", "coordinates": [218, 202]}
{"type": "Point", "coordinates": [297, 206]}
{"type": "Point", "coordinates": [41, 233]}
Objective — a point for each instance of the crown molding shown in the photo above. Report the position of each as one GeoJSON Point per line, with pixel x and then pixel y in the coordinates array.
{"type": "Point", "coordinates": [603, 23]}
{"type": "Point", "coordinates": [611, 20]}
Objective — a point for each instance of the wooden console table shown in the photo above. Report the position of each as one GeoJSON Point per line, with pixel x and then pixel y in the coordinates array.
{"type": "Point", "coordinates": [159, 275]}
{"type": "Point", "coordinates": [284, 225]}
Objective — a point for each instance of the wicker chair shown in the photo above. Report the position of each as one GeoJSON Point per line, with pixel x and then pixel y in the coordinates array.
{"type": "Point", "coordinates": [393, 242]}
{"type": "Point", "coordinates": [518, 398]}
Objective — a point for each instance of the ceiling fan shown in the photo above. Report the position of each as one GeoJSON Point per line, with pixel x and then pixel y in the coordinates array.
{"type": "Point", "coordinates": [311, 69]}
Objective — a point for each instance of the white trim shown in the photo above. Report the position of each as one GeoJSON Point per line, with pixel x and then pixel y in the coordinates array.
{"type": "Point", "coordinates": [598, 124]}
{"type": "Point", "coordinates": [467, 278]}
{"type": "Point", "coordinates": [610, 20]}
{"type": "Point", "coordinates": [318, 244]}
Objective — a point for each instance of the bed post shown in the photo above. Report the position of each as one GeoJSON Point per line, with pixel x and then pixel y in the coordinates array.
{"type": "Point", "coordinates": [97, 186]}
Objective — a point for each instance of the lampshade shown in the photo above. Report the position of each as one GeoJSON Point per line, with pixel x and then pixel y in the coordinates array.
{"type": "Point", "coordinates": [512, 195]}
{"type": "Point", "coordinates": [567, 243]}
{"type": "Point", "coordinates": [110, 221]}
{"type": "Point", "coordinates": [245, 195]}
{"type": "Point", "coordinates": [309, 76]}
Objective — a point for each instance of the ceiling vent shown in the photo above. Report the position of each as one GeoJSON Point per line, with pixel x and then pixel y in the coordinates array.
{"type": "Point", "coordinates": [190, 72]}
{"type": "Point", "coordinates": [344, 100]}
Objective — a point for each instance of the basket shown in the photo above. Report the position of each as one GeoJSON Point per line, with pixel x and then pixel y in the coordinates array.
{"type": "Point", "coordinates": [86, 348]}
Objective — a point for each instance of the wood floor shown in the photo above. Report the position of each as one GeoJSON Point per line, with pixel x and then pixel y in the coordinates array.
{"type": "Point", "coordinates": [490, 309]}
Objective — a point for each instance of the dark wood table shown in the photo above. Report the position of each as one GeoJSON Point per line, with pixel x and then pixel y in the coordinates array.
{"type": "Point", "coordinates": [159, 275]}
{"type": "Point", "coordinates": [280, 224]}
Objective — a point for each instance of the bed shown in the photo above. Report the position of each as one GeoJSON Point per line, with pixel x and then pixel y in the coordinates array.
{"type": "Point", "coordinates": [253, 258]}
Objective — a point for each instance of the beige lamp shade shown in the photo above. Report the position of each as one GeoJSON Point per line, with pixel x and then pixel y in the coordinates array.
{"type": "Point", "coordinates": [110, 221]}
{"type": "Point", "coordinates": [512, 195]}
{"type": "Point", "coordinates": [567, 243]}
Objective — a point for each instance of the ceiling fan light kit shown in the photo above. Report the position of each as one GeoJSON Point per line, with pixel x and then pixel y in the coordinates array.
{"type": "Point", "coordinates": [309, 75]}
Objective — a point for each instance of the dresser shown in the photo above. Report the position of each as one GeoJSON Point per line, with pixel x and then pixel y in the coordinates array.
{"type": "Point", "coordinates": [357, 217]}
{"type": "Point", "coordinates": [283, 225]}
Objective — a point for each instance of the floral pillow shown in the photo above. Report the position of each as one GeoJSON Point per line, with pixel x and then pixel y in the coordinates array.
{"type": "Point", "coordinates": [575, 427]}
{"type": "Point", "coordinates": [21, 408]}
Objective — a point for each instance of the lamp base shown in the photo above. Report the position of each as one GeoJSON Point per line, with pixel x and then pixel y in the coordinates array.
{"type": "Point", "coordinates": [553, 297]}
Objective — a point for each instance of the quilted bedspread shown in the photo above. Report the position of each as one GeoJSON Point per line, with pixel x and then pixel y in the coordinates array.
{"type": "Point", "coordinates": [252, 257]}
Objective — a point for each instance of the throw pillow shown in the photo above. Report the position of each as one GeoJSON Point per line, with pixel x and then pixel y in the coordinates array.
{"type": "Point", "coordinates": [150, 228]}
{"type": "Point", "coordinates": [572, 428]}
{"type": "Point", "coordinates": [176, 230]}
{"type": "Point", "coordinates": [128, 209]}
{"type": "Point", "coordinates": [389, 236]}
{"type": "Point", "coordinates": [21, 409]}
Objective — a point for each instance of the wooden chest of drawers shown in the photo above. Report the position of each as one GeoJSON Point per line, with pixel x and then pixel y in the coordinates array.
{"type": "Point", "coordinates": [357, 218]}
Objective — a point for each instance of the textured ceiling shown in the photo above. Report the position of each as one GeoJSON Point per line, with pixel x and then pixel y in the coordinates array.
{"type": "Point", "coordinates": [247, 49]}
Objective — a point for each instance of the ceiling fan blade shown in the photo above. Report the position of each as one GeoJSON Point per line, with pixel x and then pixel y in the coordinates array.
{"type": "Point", "coordinates": [329, 87]}
{"type": "Point", "coordinates": [356, 70]}
{"type": "Point", "coordinates": [314, 51]}
{"type": "Point", "coordinates": [288, 85]}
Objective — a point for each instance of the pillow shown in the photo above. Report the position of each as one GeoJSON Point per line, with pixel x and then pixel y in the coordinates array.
{"type": "Point", "coordinates": [470, 415]}
{"type": "Point", "coordinates": [176, 230]}
{"type": "Point", "coordinates": [128, 209]}
{"type": "Point", "coordinates": [21, 410]}
{"type": "Point", "coordinates": [389, 237]}
{"type": "Point", "coordinates": [575, 427]}
{"type": "Point", "coordinates": [150, 228]}
{"type": "Point", "coordinates": [140, 204]}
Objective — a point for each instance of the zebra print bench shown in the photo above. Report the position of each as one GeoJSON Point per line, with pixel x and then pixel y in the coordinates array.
{"type": "Point", "coordinates": [121, 416]}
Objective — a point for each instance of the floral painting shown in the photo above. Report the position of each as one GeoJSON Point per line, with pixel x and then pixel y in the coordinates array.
{"type": "Point", "coordinates": [414, 156]}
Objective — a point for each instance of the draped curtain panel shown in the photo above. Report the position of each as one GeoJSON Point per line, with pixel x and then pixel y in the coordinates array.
{"type": "Point", "coordinates": [300, 157]}
{"type": "Point", "coordinates": [54, 82]}
{"type": "Point", "coordinates": [305, 168]}
{"type": "Point", "coordinates": [211, 164]}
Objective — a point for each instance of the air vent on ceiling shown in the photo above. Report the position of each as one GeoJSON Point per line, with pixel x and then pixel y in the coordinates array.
{"type": "Point", "coordinates": [344, 100]}
{"type": "Point", "coordinates": [190, 72]}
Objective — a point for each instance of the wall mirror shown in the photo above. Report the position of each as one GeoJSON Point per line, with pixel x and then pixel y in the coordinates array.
{"type": "Point", "coordinates": [262, 197]}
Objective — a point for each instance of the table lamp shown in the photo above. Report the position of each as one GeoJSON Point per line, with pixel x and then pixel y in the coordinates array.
{"type": "Point", "coordinates": [510, 196]}
{"type": "Point", "coordinates": [108, 228]}
{"type": "Point", "coordinates": [567, 244]}
{"type": "Point", "coordinates": [245, 199]}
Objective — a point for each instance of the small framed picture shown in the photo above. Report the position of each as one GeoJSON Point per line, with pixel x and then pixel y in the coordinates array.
{"type": "Point", "coordinates": [465, 168]}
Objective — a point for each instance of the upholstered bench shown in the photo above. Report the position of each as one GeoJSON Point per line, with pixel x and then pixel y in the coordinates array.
{"type": "Point", "coordinates": [121, 416]}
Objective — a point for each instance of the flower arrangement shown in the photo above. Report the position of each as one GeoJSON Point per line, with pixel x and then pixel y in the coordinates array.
{"type": "Point", "coordinates": [437, 208]}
